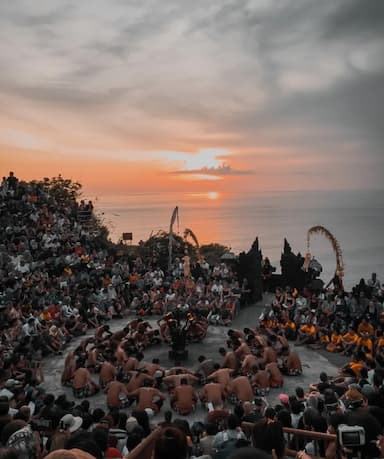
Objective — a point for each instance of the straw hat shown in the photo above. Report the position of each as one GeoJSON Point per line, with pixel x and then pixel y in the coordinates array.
{"type": "Point", "coordinates": [72, 423]}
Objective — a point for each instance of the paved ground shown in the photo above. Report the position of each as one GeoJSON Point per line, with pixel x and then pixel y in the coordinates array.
{"type": "Point", "coordinates": [313, 361]}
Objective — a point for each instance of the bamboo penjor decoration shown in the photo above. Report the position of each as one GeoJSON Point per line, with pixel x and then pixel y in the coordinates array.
{"type": "Point", "coordinates": [335, 245]}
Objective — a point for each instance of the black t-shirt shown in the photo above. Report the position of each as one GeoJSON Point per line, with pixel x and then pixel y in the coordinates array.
{"type": "Point", "coordinates": [378, 413]}
{"type": "Point", "coordinates": [252, 417]}
{"type": "Point", "coordinates": [322, 386]}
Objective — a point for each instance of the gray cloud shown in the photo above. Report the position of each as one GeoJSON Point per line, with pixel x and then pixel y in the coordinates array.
{"type": "Point", "coordinates": [354, 18]}
{"type": "Point", "coordinates": [222, 171]}
{"type": "Point", "coordinates": [21, 18]}
{"type": "Point", "coordinates": [304, 75]}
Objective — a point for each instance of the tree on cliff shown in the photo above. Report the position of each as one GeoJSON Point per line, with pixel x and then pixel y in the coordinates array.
{"type": "Point", "coordinates": [65, 191]}
{"type": "Point", "coordinates": [155, 248]}
{"type": "Point", "coordinates": [213, 252]}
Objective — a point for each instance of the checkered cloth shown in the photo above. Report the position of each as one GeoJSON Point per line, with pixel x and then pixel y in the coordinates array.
{"type": "Point", "coordinates": [295, 372]}
{"type": "Point", "coordinates": [261, 391]}
{"type": "Point", "coordinates": [232, 398]}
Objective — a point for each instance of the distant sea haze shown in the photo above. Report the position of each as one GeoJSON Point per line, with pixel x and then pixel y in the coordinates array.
{"type": "Point", "coordinates": [355, 218]}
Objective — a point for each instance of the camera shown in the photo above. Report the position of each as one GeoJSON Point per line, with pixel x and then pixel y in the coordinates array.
{"type": "Point", "coordinates": [351, 436]}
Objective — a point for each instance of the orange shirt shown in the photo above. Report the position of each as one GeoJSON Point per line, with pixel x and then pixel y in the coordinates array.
{"type": "Point", "coordinates": [308, 329]}
{"type": "Point", "coordinates": [335, 338]}
{"type": "Point", "coordinates": [366, 342]}
{"type": "Point", "coordinates": [356, 367]}
{"type": "Point", "coordinates": [350, 338]}
{"type": "Point", "coordinates": [288, 325]}
{"type": "Point", "coordinates": [54, 310]}
{"type": "Point", "coordinates": [45, 315]}
{"type": "Point", "coordinates": [107, 281]}
{"type": "Point", "coordinates": [133, 278]}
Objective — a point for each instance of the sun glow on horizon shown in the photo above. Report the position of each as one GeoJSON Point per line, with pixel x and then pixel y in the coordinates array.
{"type": "Point", "coordinates": [213, 195]}
{"type": "Point", "coordinates": [201, 177]}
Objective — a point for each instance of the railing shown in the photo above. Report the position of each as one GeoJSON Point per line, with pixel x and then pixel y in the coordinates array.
{"type": "Point", "coordinates": [296, 439]}
{"type": "Point", "coordinates": [145, 449]}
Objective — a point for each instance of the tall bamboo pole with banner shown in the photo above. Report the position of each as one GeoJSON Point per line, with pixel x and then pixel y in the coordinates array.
{"type": "Point", "coordinates": [175, 216]}
{"type": "Point", "coordinates": [190, 233]}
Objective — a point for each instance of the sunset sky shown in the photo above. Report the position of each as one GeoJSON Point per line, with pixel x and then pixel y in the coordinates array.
{"type": "Point", "coordinates": [210, 95]}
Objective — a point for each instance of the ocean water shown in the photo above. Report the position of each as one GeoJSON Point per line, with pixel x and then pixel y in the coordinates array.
{"type": "Point", "coordinates": [355, 218]}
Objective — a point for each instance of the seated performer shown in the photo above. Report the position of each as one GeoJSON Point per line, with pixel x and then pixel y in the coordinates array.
{"type": "Point", "coordinates": [82, 383]}
{"type": "Point", "coordinates": [184, 398]}
{"type": "Point", "coordinates": [291, 363]}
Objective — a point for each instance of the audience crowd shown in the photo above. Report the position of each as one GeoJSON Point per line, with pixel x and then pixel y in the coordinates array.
{"type": "Point", "coordinates": [61, 283]}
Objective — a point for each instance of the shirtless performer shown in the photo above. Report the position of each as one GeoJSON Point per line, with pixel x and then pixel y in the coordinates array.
{"type": "Point", "coordinates": [260, 381]}
{"type": "Point", "coordinates": [120, 355]}
{"type": "Point", "coordinates": [82, 383]}
{"type": "Point", "coordinates": [196, 330]}
{"type": "Point", "coordinates": [102, 333]}
{"type": "Point", "coordinates": [270, 354]}
{"type": "Point", "coordinates": [230, 359]}
{"type": "Point", "coordinates": [174, 380]}
{"type": "Point", "coordinates": [243, 347]}
{"type": "Point", "coordinates": [164, 326]}
{"type": "Point", "coordinates": [137, 379]}
{"type": "Point", "coordinates": [140, 337]}
{"type": "Point", "coordinates": [212, 393]}
{"type": "Point", "coordinates": [291, 364]}
{"type": "Point", "coordinates": [275, 377]}
{"type": "Point", "coordinates": [69, 369]}
{"type": "Point", "coordinates": [93, 356]}
{"type": "Point", "coordinates": [117, 394]}
{"type": "Point", "coordinates": [223, 377]}
{"type": "Point", "coordinates": [153, 368]}
{"type": "Point", "coordinates": [147, 397]}
{"type": "Point", "coordinates": [249, 362]}
{"type": "Point", "coordinates": [176, 370]}
{"type": "Point", "coordinates": [241, 389]}
{"type": "Point", "coordinates": [184, 398]}
{"type": "Point", "coordinates": [107, 372]}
